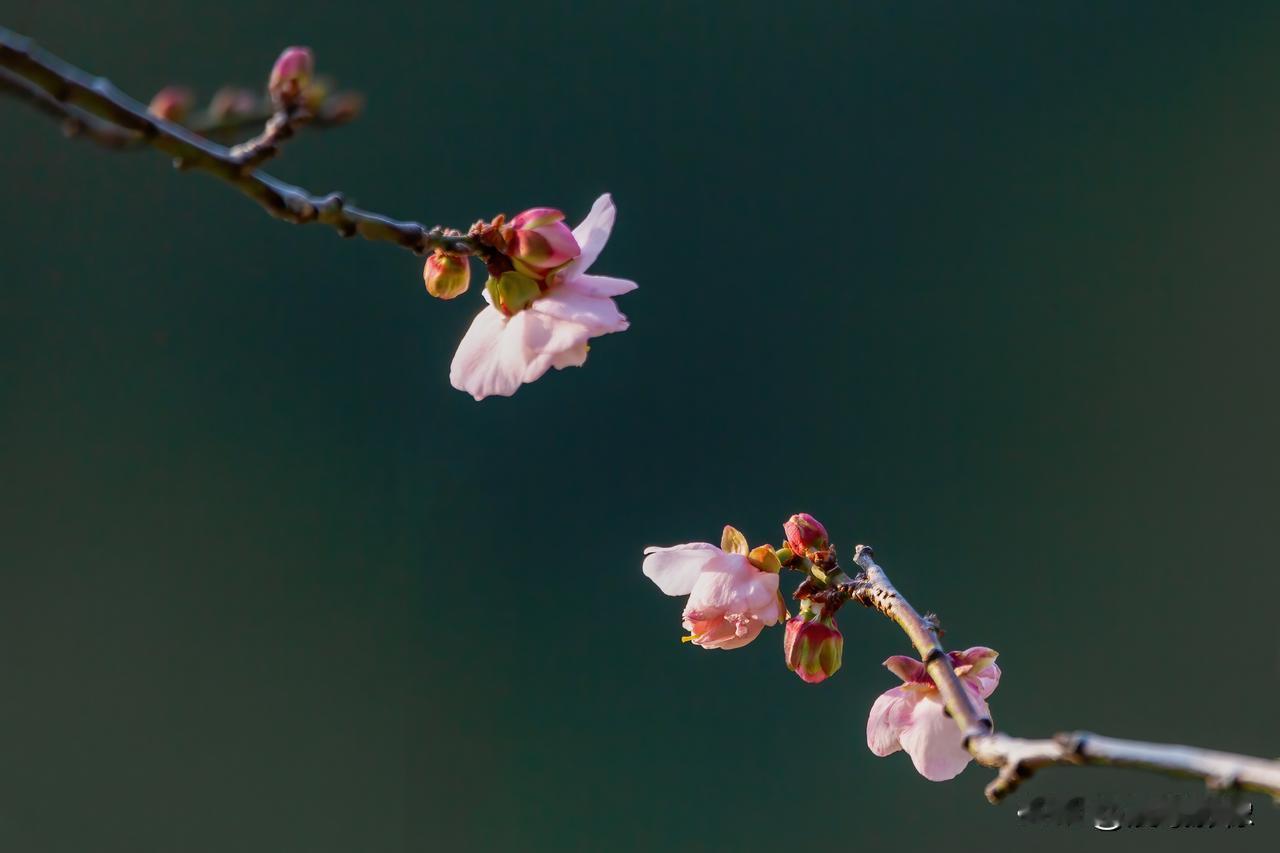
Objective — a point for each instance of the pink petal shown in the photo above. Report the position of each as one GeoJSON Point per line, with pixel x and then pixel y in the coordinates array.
{"type": "Point", "coordinates": [907, 668]}
{"type": "Point", "coordinates": [730, 583]}
{"type": "Point", "coordinates": [676, 569]}
{"type": "Point", "coordinates": [890, 714]}
{"type": "Point", "coordinates": [711, 633]}
{"type": "Point", "coordinates": [976, 656]}
{"type": "Point", "coordinates": [575, 357]}
{"type": "Point", "coordinates": [744, 630]}
{"type": "Point", "coordinates": [933, 741]}
{"type": "Point", "coordinates": [984, 680]}
{"type": "Point", "coordinates": [600, 285]}
{"type": "Point", "coordinates": [983, 673]}
{"type": "Point", "coordinates": [490, 360]}
{"type": "Point", "coordinates": [592, 234]}
{"type": "Point", "coordinates": [598, 314]}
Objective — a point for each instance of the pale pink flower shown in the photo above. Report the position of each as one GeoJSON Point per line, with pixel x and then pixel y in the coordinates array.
{"type": "Point", "coordinates": [730, 600]}
{"type": "Point", "coordinates": [501, 352]}
{"type": "Point", "coordinates": [912, 716]}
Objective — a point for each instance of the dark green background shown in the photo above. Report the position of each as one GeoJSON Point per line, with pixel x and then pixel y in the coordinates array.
{"type": "Point", "coordinates": [993, 289]}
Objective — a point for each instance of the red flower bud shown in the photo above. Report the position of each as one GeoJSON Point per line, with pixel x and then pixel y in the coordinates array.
{"type": "Point", "coordinates": [539, 239]}
{"type": "Point", "coordinates": [813, 646]}
{"type": "Point", "coordinates": [805, 533]}
{"type": "Point", "coordinates": [291, 75]}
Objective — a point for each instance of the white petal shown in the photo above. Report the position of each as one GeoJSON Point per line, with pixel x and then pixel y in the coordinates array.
{"type": "Point", "coordinates": [490, 359]}
{"type": "Point", "coordinates": [599, 314]}
{"type": "Point", "coordinates": [538, 364]}
{"type": "Point", "coordinates": [600, 285]}
{"type": "Point", "coordinates": [545, 332]}
{"type": "Point", "coordinates": [675, 570]}
{"type": "Point", "coordinates": [575, 357]}
{"type": "Point", "coordinates": [592, 233]}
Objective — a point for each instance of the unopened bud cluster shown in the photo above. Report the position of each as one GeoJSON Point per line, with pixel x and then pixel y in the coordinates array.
{"type": "Point", "coordinates": [292, 84]}
{"type": "Point", "coordinates": [525, 256]}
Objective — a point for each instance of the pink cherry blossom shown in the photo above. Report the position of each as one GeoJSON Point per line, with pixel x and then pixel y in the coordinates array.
{"type": "Point", "coordinates": [730, 600]}
{"type": "Point", "coordinates": [501, 352]}
{"type": "Point", "coordinates": [912, 716]}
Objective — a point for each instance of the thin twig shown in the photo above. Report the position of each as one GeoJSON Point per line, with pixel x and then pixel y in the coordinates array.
{"type": "Point", "coordinates": [1017, 758]}
{"type": "Point", "coordinates": [77, 95]}
{"type": "Point", "coordinates": [75, 122]}
{"type": "Point", "coordinates": [336, 111]}
{"type": "Point", "coordinates": [282, 125]}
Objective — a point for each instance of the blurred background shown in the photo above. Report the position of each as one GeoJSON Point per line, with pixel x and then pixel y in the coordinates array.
{"type": "Point", "coordinates": [992, 289]}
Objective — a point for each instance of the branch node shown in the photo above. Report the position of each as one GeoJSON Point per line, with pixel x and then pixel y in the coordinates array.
{"type": "Point", "coordinates": [1222, 783]}
{"type": "Point", "coordinates": [1072, 743]}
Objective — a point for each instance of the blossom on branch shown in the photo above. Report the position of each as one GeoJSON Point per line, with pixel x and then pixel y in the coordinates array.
{"type": "Point", "coordinates": [733, 592]}
{"type": "Point", "coordinates": [541, 318]}
{"type": "Point", "coordinates": [912, 716]}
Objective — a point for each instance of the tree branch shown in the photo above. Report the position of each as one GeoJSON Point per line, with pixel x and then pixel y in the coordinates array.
{"type": "Point", "coordinates": [336, 110]}
{"type": "Point", "coordinates": [75, 122]}
{"type": "Point", "coordinates": [1017, 758]}
{"type": "Point", "coordinates": [95, 108]}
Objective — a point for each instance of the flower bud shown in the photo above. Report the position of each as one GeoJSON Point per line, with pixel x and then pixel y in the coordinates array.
{"type": "Point", "coordinates": [764, 559]}
{"type": "Point", "coordinates": [805, 533]}
{"type": "Point", "coordinates": [539, 239]}
{"type": "Point", "coordinates": [171, 103]}
{"type": "Point", "coordinates": [813, 646]}
{"type": "Point", "coordinates": [231, 102]}
{"type": "Point", "coordinates": [447, 276]}
{"type": "Point", "coordinates": [512, 292]}
{"type": "Point", "coordinates": [343, 107]}
{"type": "Point", "coordinates": [291, 75]}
